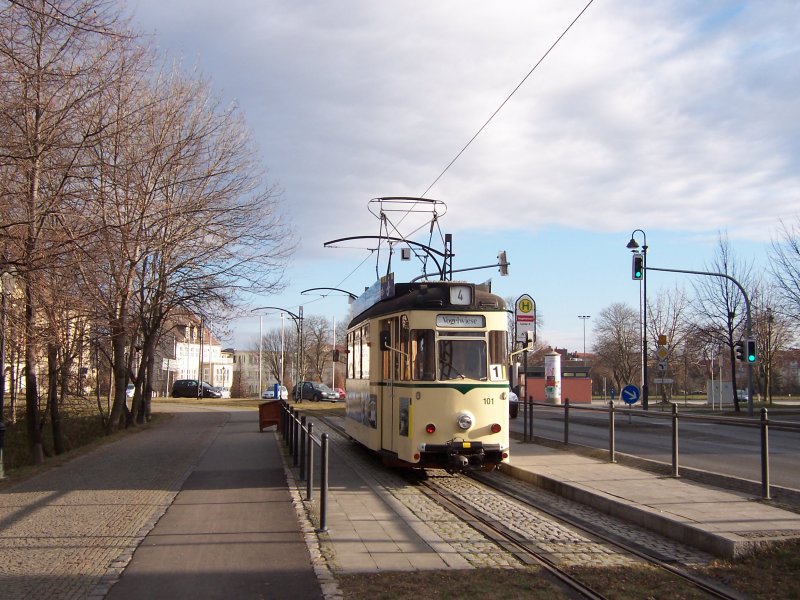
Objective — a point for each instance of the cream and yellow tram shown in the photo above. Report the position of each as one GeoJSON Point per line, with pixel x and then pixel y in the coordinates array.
{"type": "Point", "coordinates": [426, 376]}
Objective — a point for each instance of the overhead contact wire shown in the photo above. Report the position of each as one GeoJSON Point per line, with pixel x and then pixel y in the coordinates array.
{"type": "Point", "coordinates": [499, 108]}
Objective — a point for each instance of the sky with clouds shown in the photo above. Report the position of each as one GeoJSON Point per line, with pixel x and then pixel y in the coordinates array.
{"type": "Point", "coordinates": [679, 118]}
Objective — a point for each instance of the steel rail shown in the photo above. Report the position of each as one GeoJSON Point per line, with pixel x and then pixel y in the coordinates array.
{"type": "Point", "coordinates": [702, 583]}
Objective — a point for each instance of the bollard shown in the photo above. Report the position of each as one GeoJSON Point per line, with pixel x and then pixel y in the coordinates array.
{"type": "Point", "coordinates": [530, 416]}
{"type": "Point", "coordinates": [525, 420]}
{"type": "Point", "coordinates": [295, 439]}
{"type": "Point", "coordinates": [566, 421]}
{"type": "Point", "coordinates": [764, 454]}
{"type": "Point", "coordinates": [323, 486]}
{"type": "Point", "coordinates": [290, 430]}
{"type": "Point", "coordinates": [302, 474]}
{"type": "Point", "coordinates": [675, 440]}
{"type": "Point", "coordinates": [612, 455]}
{"type": "Point", "coordinates": [2, 446]}
{"type": "Point", "coordinates": [310, 459]}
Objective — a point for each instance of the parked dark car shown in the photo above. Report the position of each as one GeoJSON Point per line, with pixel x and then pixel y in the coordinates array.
{"type": "Point", "coordinates": [313, 390]}
{"type": "Point", "coordinates": [187, 388]}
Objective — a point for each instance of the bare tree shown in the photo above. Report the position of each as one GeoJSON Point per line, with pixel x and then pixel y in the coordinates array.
{"type": "Point", "coordinates": [667, 320]}
{"type": "Point", "coordinates": [317, 345]}
{"type": "Point", "coordinates": [273, 350]}
{"type": "Point", "coordinates": [618, 344]}
{"type": "Point", "coordinates": [54, 63]}
{"type": "Point", "coordinates": [184, 221]}
{"type": "Point", "coordinates": [720, 306]}
{"type": "Point", "coordinates": [773, 331]}
{"type": "Point", "coordinates": [785, 263]}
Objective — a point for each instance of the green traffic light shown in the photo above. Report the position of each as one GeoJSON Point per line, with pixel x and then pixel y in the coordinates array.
{"type": "Point", "coordinates": [637, 271]}
{"type": "Point", "coordinates": [751, 351]}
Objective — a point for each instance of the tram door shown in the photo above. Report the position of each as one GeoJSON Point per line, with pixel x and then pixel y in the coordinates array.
{"type": "Point", "coordinates": [388, 333]}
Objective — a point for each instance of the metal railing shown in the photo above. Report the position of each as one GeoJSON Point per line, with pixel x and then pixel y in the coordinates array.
{"type": "Point", "coordinates": [763, 424]}
{"type": "Point", "coordinates": [298, 434]}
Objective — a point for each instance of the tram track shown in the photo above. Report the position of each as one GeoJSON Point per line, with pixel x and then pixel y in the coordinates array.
{"type": "Point", "coordinates": [490, 489]}
{"type": "Point", "coordinates": [711, 588]}
{"type": "Point", "coordinates": [509, 541]}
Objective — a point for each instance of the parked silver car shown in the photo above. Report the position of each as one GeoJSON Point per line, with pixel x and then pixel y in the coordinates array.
{"type": "Point", "coordinates": [269, 393]}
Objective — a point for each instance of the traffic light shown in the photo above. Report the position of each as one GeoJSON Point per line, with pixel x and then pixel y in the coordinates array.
{"type": "Point", "coordinates": [502, 262]}
{"type": "Point", "coordinates": [638, 266]}
{"type": "Point", "coordinates": [739, 351]}
{"type": "Point", "coordinates": [751, 351]}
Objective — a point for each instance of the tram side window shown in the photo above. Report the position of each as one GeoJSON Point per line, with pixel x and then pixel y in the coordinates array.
{"type": "Point", "coordinates": [422, 355]}
{"type": "Point", "coordinates": [386, 355]}
{"type": "Point", "coordinates": [498, 355]}
{"type": "Point", "coordinates": [404, 366]}
{"type": "Point", "coordinates": [364, 374]}
{"type": "Point", "coordinates": [357, 354]}
{"type": "Point", "coordinates": [351, 354]}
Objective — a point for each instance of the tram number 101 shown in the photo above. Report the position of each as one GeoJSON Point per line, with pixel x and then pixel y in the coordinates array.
{"type": "Point", "coordinates": [488, 400]}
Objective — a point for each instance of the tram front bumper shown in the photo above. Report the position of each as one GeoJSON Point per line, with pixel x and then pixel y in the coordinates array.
{"type": "Point", "coordinates": [460, 456]}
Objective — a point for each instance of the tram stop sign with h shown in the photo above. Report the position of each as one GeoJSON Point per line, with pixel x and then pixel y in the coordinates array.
{"type": "Point", "coordinates": [524, 317]}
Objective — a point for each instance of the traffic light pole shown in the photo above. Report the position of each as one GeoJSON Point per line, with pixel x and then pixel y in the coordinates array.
{"type": "Point", "coordinates": [640, 273]}
{"type": "Point", "coordinates": [748, 323]}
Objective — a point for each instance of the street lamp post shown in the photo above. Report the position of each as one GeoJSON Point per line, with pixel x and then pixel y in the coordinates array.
{"type": "Point", "coordinates": [7, 282]}
{"type": "Point", "coordinates": [260, 353]}
{"type": "Point", "coordinates": [283, 375]}
{"type": "Point", "coordinates": [583, 318]}
{"type": "Point", "coordinates": [633, 246]}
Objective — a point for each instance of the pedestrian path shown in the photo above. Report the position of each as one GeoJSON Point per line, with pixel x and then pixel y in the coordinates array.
{"type": "Point", "coordinates": [231, 532]}
{"type": "Point", "coordinates": [195, 507]}
{"type": "Point", "coordinates": [69, 532]}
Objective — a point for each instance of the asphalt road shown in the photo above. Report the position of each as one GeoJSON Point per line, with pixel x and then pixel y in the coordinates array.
{"type": "Point", "coordinates": [722, 448]}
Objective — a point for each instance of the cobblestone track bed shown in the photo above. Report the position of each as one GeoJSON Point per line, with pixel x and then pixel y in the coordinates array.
{"type": "Point", "coordinates": [560, 543]}
{"type": "Point", "coordinates": [656, 545]}
{"type": "Point", "coordinates": [69, 532]}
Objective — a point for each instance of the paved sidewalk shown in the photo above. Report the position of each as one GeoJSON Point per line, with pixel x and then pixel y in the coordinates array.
{"type": "Point", "coordinates": [68, 532]}
{"type": "Point", "coordinates": [232, 531]}
{"type": "Point", "coordinates": [197, 507]}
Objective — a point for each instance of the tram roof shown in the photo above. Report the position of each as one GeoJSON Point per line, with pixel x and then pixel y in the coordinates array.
{"type": "Point", "coordinates": [431, 295]}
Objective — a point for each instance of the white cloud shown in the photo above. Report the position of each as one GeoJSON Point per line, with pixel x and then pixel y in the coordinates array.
{"type": "Point", "coordinates": [681, 115]}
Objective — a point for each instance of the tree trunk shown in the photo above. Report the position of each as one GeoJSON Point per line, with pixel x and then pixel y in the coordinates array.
{"type": "Point", "coordinates": [119, 347]}
{"type": "Point", "coordinates": [147, 389]}
{"type": "Point", "coordinates": [52, 397]}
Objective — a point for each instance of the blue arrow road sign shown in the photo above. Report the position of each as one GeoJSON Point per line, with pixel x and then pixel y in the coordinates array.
{"type": "Point", "coordinates": [630, 394]}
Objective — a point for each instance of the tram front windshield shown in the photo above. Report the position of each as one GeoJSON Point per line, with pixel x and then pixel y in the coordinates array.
{"type": "Point", "coordinates": [462, 359]}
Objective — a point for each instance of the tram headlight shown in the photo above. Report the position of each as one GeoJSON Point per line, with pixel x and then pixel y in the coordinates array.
{"type": "Point", "coordinates": [464, 421]}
